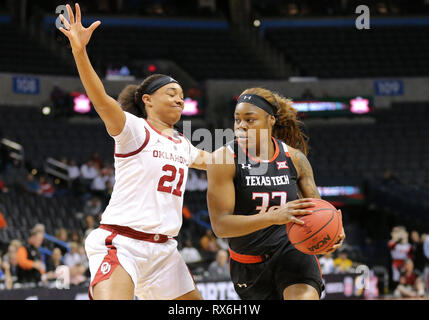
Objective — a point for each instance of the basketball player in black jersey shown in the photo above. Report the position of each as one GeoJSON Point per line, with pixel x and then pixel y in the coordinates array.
{"type": "Point", "coordinates": [256, 184]}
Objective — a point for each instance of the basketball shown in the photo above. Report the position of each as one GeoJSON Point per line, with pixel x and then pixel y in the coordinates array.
{"type": "Point", "coordinates": [320, 230]}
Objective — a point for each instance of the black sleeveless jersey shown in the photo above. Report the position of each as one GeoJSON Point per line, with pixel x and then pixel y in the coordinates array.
{"type": "Point", "coordinates": [262, 184]}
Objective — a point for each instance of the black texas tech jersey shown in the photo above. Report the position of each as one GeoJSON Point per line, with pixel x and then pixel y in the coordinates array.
{"type": "Point", "coordinates": [274, 185]}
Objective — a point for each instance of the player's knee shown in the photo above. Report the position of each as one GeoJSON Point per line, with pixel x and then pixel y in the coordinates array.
{"type": "Point", "coordinates": [300, 291]}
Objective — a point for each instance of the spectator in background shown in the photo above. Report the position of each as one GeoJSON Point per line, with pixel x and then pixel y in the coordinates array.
{"type": "Point", "coordinates": [73, 257]}
{"type": "Point", "coordinates": [10, 259]}
{"type": "Point", "coordinates": [98, 185]}
{"type": "Point", "coordinates": [15, 174]}
{"type": "Point", "coordinates": [90, 225]}
{"type": "Point", "coordinates": [48, 189]}
{"type": "Point", "coordinates": [219, 269]}
{"type": "Point", "coordinates": [88, 171]}
{"type": "Point", "coordinates": [342, 263]}
{"type": "Point", "coordinates": [52, 263]}
{"type": "Point", "coordinates": [5, 274]}
{"type": "Point", "coordinates": [3, 188]}
{"type": "Point", "coordinates": [75, 236]}
{"type": "Point", "coordinates": [31, 185]}
{"type": "Point", "coordinates": [400, 250]}
{"type": "Point", "coordinates": [209, 245]}
{"type": "Point", "coordinates": [189, 253]}
{"type": "Point", "coordinates": [410, 285]}
{"type": "Point", "coordinates": [77, 263]}
{"type": "Point", "coordinates": [202, 181]}
{"type": "Point", "coordinates": [62, 235]}
{"type": "Point", "coordinates": [30, 265]}
{"type": "Point", "coordinates": [93, 207]}
{"type": "Point", "coordinates": [98, 163]}
{"type": "Point", "coordinates": [417, 251]}
{"type": "Point", "coordinates": [192, 183]}
{"type": "Point", "coordinates": [73, 169]}
{"type": "Point", "coordinates": [327, 264]}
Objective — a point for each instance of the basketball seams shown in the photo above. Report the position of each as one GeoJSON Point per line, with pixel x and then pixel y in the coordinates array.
{"type": "Point", "coordinates": [329, 221]}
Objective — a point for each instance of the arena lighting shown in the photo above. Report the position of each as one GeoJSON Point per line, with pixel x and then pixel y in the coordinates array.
{"type": "Point", "coordinates": [152, 68]}
{"type": "Point", "coordinates": [359, 105]}
{"type": "Point", "coordinates": [46, 110]}
{"type": "Point", "coordinates": [190, 107]}
{"type": "Point", "coordinates": [333, 191]}
{"type": "Point", "coordinates": [305, 106]}
{"type": "Point", "coordinates": [256, 23]}
{"type": "Point", "coordinates": [81, 104]}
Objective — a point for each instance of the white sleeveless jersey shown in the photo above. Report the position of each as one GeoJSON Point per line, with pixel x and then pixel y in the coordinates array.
{"type": "Point", "coordinates": [151, 170]}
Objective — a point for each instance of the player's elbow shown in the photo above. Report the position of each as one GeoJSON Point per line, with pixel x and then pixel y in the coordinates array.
{"type": "Point", "coordinates": [218, 230]}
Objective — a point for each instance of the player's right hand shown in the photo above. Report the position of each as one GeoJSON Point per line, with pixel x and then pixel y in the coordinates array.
{"type": "Point", "coordinates": [288, 212]}
{"type": "Point", "coordinates": [74, 31]}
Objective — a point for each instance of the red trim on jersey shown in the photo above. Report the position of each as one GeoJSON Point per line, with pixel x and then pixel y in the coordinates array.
{"type": "Point", "coordinates": [125, 155]}
{"type": "Point", "coordinates": [245, 258]}
{"type": "Point", "coordinates": [134, 234]}
{"type": "Point", "coordinates": [109, 263]}
{"type": "Point", "coordinates": [164, 135]}
{"type": "Point", "coordinates": [276, 153]}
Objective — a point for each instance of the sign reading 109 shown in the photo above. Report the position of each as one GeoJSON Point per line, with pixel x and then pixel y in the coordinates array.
{"type": "Point", "coordinates": [26, 85]}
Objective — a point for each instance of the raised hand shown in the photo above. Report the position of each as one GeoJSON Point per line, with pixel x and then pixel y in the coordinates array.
{"type": "Point", "coordinates": [77, 34]}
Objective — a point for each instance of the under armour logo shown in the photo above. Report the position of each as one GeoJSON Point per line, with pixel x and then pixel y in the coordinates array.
{"type": "Point", "coordinates": [105, 268]}
{"type": "Point", "coordinates": [247, 97]}
{"type": "Point", "coordinates": [281, 165]}
{"type": "Point", "coordinates": [246, 166]}
{"type": "Point", "coordinates": [242, 285]}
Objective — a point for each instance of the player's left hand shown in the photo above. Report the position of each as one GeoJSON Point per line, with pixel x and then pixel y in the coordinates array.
{"type": "Point", "coordinates": [339, 242]}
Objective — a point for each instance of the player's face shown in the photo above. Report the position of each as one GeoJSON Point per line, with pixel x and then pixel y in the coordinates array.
{"type": "Point", "coordinates": [167, 103]}
{"type": "Point", "coordinates": [251, 125]}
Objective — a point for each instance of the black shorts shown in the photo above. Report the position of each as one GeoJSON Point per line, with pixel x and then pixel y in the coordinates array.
{"type": "Point", "coordinates": [267, 280]}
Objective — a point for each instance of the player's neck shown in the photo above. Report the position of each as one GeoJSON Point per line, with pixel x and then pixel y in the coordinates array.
{"type": "Point", "coordinates": [264, 151]}
{"type": "Point", "coordinates": [161, 126]}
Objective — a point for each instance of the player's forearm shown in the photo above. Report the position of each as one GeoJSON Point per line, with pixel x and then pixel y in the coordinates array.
{"type": "Point", "coordinates": [230, 225]}
{"type": "Point", "coordinates": [90, 80]}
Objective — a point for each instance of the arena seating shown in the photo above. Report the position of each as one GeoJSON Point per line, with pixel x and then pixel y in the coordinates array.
{"type": "Point", "coordinates": [396, 142]}
{"type": "Point", "coordinates": [22, 53]}
{"type": "Point", "coordinates": [42, 137]}
{"type": "Point", "coordinates": [203, 53]}
{"type": "Point", "coordinates": [345, 52]}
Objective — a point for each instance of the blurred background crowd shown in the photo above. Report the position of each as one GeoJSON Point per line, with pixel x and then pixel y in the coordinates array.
{"type": "Point", "coordinates": [57, 165]}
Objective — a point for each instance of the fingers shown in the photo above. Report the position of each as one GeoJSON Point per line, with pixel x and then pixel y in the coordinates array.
{"type": "Point", "coordinates": [66, 33]}
{"type": "Point", "coordinates": [65, 22]}
{"type": "Point", "coordinates": [78, 14]}
{"type": "Point", "coordinates": [296, 220]}
{"type": "Point", "coordinates": [302, 205]}
{"type": "Point", "coordinates": [70, 12]}
{"type": "Point", "coordinates": [94, 26]}
{"type": "Point", "coordinates": [300, 212]}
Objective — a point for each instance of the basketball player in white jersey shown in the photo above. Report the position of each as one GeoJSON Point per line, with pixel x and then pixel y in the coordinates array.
{"type": "Point", "coordinates": [133, 253]}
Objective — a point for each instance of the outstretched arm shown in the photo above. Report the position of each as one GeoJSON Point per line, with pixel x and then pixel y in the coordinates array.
{"type": "Point", "coordinates": [107, 107]}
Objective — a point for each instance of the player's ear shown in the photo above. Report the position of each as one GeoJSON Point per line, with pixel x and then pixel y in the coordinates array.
{"type": "Point", "coordinates": [272, 120]}
{"type": "Point", "coordinates": [147, 99]}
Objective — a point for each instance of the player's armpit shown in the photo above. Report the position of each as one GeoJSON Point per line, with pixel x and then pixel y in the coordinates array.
{"type": "Point", "coordinates": [307, 186]}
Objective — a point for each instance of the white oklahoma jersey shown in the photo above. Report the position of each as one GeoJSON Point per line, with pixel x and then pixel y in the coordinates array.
{"type": "Point", "coordinates": [151, 170]}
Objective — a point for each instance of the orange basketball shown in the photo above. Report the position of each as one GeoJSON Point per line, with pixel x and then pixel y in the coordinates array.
{"type": "Point", "coordinates": [320, 230]}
